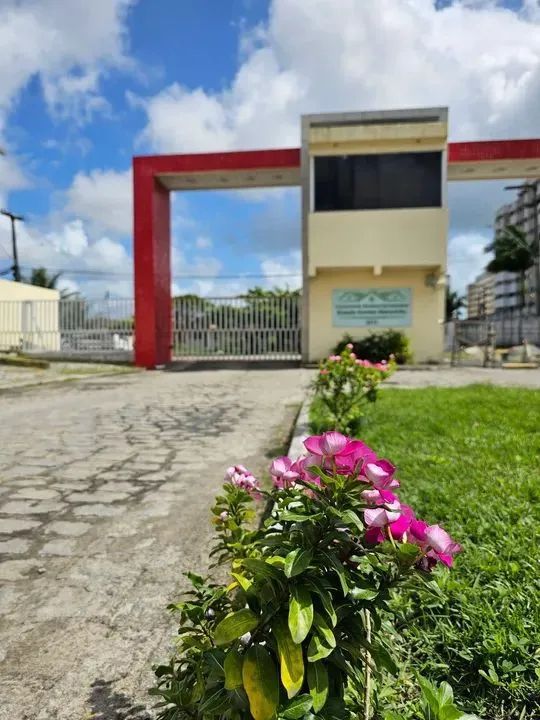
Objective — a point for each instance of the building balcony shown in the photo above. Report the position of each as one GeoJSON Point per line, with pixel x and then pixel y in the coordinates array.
{"type": "Point", "coordinates": [409, 238]}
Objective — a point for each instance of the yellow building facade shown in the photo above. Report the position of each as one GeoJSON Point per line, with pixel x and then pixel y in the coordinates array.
{"type": "Point", "coordinates": [375, 224]}
{"type": "Point", "coordinates": [29, 317]}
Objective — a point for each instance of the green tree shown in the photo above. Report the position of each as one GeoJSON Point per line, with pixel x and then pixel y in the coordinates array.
{"type": "Point", "coordinates": [454, 303]}
{"type": "Point", "coordinates": [513, 253]}
{"type": "Point", "coordinates": [42, 278]}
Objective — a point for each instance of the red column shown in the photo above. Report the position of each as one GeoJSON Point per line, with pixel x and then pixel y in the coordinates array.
{"type": "Point", "coordinates": [151, 247]}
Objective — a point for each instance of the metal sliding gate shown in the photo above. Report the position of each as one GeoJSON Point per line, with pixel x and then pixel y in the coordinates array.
{"type": "Point", "coordinates": [237, 328]}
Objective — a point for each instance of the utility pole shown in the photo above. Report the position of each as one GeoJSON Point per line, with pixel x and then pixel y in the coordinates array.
{"type": "Point", "coordinates": [15, 267]}
{"type": "Point", "coordinates": [532, 187]}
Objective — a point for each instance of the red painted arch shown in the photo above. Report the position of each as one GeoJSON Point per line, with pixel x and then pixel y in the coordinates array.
{"type": "Point", "coordinates": [153, 317]}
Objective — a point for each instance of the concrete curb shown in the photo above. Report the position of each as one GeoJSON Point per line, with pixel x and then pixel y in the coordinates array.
{"type": "Point", "coordinates": [14, 388]}
{"type": "Point", "coordinates": [301, 430]}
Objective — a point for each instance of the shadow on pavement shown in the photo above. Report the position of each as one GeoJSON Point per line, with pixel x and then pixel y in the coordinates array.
{"type": "Point", "coordinates": [106, 704]}
{"type": "Point", "coordinates": [195, 365]}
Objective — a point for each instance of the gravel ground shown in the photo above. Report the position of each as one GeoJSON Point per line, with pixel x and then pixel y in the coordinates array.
{"type": "Point", "coordinates": [105, 489]}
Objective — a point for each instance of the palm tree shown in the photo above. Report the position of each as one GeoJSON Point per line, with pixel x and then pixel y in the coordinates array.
{"type": "Point", "coordinates": [40, 276]}
{"type": "Point", "coordinates": [513, 253]}
{"type": "Point", "coordinates": [454, 303]}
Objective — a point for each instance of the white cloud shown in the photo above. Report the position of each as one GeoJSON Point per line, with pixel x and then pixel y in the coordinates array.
{"type": "Point", "coordinates": [481, 60]}
{"type": "Point", "coordinates": [466, 259]}
{"type": "Point", "coordinates": [104, 198]}
{"type": "Point", "coordinates": [94, 266]}
{"type": "Point", "coordinates": [282, 270]}
{"type": "Point", "coordinates": [185, 271]}
{"type": "Point", "coordinates": [476, 56]}
{"type": "Point", "coordinates": [66, 43]}
{"type": "Point", "coordinates": [203, 242]}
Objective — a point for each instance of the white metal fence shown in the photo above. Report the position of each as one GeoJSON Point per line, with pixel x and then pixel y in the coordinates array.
{"type": "Point", "coordinates": [100, 328]}
{"type": "Point", "coordinates": [507, 328]}
{"type": "Point", "coordinates": [239, 328]}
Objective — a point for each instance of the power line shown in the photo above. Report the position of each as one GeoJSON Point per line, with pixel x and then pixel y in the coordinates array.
{"type": "Point", "coordinates": [14, 219]}
{"type": "Point", "coordinates": [178, 276]}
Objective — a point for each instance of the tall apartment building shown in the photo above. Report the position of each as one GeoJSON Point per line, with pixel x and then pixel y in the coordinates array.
{"type": "Point", "coordinates": [481, 296]}
{"type": "Point", "coordinates": [521, 213]}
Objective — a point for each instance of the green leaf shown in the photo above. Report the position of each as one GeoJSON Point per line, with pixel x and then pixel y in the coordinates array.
{"type": "Point", "coordinates": [363, 593]}
{"type": "Point", "coordinates": [408, 553]}
{"type": "Point", "coordinates": [214, 702]}
{"type": "Point", "coordinates": [233, 669]}
{"type": "Point", "coordinates": [326, 600]}
{"type": "Point", "coordinates": [324, 631]}
{"type": "Point", "coordinates": [297, 561]}
{"type": "Point", "coordinates": [243, 581]}
{"type": "Point", "coordinates": [290, 656]}
{"type": "Point", "coordinates": [234, 626]}
{"type": "Point", "coordinates": [338, 567]}
{"type": "Point", "coordinates": [351, 518]}
{"type": "Point", "coordinates": [289, 516]}
{"type": "Point", "coordinates": [317, 677]}
{"type": "Point", "coordinates": [445, 694]}
{"type": "Point", "coordinates": [382, 657]}
{"type": "Point", "coordinates": [300, 613]}
{"type": "Point", "coordinates": [429, 694]}
{"type": "Point", "coordinates": [450, 712]}
{"type": "Point", "coordinates": [261, 683]}
{"type": "Point", "coordinates": [262, 569]}
{"type": "Point", "coordinates": [297, 708]}
{"type": "Point", "coordinates": [318, 649]}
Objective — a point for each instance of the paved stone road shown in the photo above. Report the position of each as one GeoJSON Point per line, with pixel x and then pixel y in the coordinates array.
{"type": "Point", "coordinates": [105, 487]}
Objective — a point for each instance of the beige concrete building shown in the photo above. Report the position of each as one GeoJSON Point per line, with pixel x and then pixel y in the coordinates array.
{"type": "Point", "coordinates": [29, 317]}
{"type": "Point", "coordinates": [481, 295]}
{"type": "Point", "coordinates": [375, 227]}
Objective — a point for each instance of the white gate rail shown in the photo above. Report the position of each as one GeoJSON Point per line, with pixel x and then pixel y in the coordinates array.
{"type": "Point", "coordinates": [68, 327]}
{"type": "Point", "coordinates": [239, 328]}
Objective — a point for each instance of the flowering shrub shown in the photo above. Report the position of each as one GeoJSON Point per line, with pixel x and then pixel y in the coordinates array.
{"type": "Point", "coordinates": [377, 346]}
{"type": "Point", "coordinates": [303, 628]}
{"type": "Point", "coordinates": [342, 386]}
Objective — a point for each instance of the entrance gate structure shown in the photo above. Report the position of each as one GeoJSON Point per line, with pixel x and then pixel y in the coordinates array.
{"type": "Point", "coordinates": [239, 328]}
{"type": "Point", "coordinates": [158, 336]}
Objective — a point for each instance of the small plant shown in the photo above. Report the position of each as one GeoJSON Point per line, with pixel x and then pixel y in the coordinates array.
{"type": "Point", "coordinates": [343, 386]}
{"type": "Point", "coordinates": [378, 346]}
{"type": "Point", "coordinates": [303, 630]}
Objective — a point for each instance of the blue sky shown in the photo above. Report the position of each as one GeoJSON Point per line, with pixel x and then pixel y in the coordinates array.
{"type": "Point", "coordinates": [84, 86]}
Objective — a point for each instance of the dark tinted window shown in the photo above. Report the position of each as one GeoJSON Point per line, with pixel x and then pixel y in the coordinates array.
{"type": "Point", "coordinates": [372, 182]}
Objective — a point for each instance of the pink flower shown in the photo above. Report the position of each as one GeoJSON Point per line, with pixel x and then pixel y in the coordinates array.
{"type": "Point", "coordinates": [400, 527]}
{"type": "Point", "coordinates": [381, 516]}
{"type": "Point", "coordinates": [224, 516]}
{"type": "Point", "coordinates": [324, 371]}
{"type": "Point", "coordinates": [374, 535]}
{"type": "Point", "coordinates": [284, 472]}
{"type": "Point", "coordinates": [359, 362]}
{"type": "Point", "coordinates": [418, 531]}
{"type": "Point", "coordinates": [349, 346]}
{"type": "Point", "coordinates": [353, 356]}
{"type": "Point", "coordinates": [329, 444]}
{"type": "Point", "coordinates": [240, 477]}
{"type": "Point", "coordinates": [442, 546]}
{"type": "Point", "coordinates": [381, 474]}
{"type": "Point", "coordinates": [378, 497]}
{"type": "Point", "coordinates": [303, 464]}
{"type": "Point", "coordinates": [235, 470]}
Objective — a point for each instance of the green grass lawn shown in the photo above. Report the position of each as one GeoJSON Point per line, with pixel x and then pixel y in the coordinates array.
{"type": "Point", "coordinates": [468, 459]}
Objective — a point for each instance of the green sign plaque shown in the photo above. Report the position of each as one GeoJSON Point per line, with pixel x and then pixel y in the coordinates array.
{"type": "Point", "coordinates": [372, 307]}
